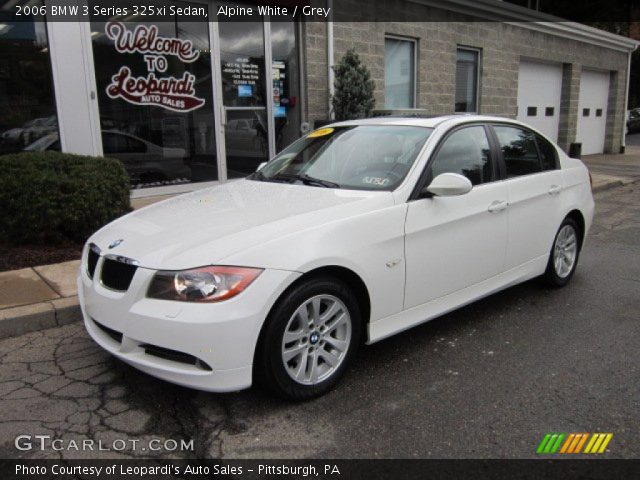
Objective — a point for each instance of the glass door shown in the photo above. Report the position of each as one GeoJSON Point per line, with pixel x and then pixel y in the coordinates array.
{"type": "Point", "coordinates": [245, 109]}
{"type": "Point", "coordinates": [257, 91]}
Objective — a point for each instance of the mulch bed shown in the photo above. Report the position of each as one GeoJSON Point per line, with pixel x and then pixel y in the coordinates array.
{"type": "Point", "coordinates": [23, 256]}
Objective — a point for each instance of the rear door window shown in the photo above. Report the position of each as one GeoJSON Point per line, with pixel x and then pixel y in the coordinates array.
{"type": "Point", "coordinates": [548, 154]}
{"type": "Point", "coordinates": [519, 150]}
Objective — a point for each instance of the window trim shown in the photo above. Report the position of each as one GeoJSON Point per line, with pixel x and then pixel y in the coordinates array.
{"type": "Point", "coordinates": [425, 175]}
{"type": "Point", "coordinates": [478, 76]}
{"type": "Point", "coordinates": [414, 41]}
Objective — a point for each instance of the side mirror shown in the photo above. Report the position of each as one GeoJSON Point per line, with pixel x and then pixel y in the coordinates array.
{"type": "Point", "coordinates": [260, 166]}
{"type": "Point", "coordinates": [449, 185]}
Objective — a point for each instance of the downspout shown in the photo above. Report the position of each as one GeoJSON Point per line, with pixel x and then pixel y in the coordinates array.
{"type": "Point", "coordinates": [330, 76]}
{"type": "Point", "coordinates": [623, 146]}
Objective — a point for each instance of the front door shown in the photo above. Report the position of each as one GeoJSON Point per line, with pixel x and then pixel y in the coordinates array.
{"type": "Point", "coordinates": [455, 242]}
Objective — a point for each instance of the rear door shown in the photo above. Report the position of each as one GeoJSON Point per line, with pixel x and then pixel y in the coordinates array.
{"type": "Point", "coordinates": [535, 184]}
{"type": "Point", "coordinates": [454, 242]}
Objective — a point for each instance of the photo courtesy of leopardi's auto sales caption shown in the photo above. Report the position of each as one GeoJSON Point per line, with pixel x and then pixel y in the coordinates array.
{"type": "Point", "coordinates": [117, 470]}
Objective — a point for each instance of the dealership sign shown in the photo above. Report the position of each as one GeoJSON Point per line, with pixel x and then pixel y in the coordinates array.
{"type": "Point", "coordinates": [173, 93]}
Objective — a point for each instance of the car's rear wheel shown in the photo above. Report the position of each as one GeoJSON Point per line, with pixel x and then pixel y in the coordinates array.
{"type": "Point", "coordinates": [309, 339]}
{"type": "Point", "coordinates": [564, 254]}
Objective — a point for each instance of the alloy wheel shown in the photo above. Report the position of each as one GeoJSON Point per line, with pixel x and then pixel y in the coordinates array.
{"type": "Point", "coordinates": [565, 251]}
{"type": "Point", "coordinates": [316, 339]}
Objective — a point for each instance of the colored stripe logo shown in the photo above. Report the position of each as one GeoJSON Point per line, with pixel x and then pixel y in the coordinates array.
{"type": "Point", "coordinates": [566, 443]}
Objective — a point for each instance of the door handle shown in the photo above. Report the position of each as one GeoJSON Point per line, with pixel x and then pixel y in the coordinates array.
{"type": "Point", "coordinates": [498, 206]}
{"type": "Point", "coordinates": [554, 189]}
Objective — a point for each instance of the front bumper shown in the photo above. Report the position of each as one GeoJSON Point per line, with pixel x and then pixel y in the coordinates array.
{"type": "Point", "coordinates": [204, 346]}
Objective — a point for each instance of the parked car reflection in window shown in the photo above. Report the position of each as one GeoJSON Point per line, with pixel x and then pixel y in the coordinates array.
{"type": "Point", "coordinates": [145, 162]}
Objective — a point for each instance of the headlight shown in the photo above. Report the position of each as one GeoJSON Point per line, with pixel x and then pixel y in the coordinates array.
{"type": "Point", "coordinates": [204, 284]}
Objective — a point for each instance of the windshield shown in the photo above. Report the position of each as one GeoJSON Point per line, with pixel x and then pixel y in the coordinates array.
{"type": "Point", "coordinates": [363, 157]}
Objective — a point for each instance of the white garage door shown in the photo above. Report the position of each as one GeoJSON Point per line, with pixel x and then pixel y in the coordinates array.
{"type": "Point", "coordinates": [592, 111]}
{"type": "Point", "coordinates": [539, 91]}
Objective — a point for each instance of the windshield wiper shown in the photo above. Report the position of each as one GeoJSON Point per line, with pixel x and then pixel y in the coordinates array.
{"type": "Point", "coordinates": [306, 179]}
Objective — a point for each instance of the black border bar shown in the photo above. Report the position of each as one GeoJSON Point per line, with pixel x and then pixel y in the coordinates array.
{"type": "Point", "coordinates": [594, 12]}
{"type": "Point", "coordinates": [160, 469]}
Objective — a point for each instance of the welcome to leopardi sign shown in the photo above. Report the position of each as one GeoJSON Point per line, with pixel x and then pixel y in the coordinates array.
{"type": "Point", "coordinates": [172, 93]}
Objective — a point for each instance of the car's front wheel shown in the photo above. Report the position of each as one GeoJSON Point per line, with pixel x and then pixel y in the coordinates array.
{"type": "Point", "coordinates": [309, 339]}
{"type": "Point", "coordinates": [564, 254]}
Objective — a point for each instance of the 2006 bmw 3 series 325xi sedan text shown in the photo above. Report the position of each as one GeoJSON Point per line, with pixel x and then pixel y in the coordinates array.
{"type": "Point", "coordinates": [353, 233]}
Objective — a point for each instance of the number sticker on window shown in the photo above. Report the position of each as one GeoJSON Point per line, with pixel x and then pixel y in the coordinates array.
{"type": "Point", "coordinates": [380, 181]}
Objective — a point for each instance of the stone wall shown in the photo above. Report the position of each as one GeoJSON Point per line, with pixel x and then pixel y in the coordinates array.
{"type": "Point", "coordinates": [503, 45]}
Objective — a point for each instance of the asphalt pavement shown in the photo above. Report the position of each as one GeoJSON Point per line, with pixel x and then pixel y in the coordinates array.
{"type": "Point", "coordinates": [633, 139]}
{"type": "Point", "coordinates": [486, 381]}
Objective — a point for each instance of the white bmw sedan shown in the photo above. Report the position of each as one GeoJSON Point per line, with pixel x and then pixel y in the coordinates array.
{"type": "Point", "coordinates": [353, 233]}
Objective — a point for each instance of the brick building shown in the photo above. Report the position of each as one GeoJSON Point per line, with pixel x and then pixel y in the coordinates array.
{"type": "Point", "coordinates": [515, 52]}
{"type": "Point", "coordinates": [212, 100]}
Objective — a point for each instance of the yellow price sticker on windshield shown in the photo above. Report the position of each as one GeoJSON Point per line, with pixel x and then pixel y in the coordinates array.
{"type": "Point", "coordinates": [320, 133]}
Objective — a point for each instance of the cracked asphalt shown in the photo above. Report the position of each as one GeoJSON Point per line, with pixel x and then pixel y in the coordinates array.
{"type": "Point", "coordinates": [486, 381]}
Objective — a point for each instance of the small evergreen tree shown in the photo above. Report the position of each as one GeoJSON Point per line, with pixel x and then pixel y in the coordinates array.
{"type": "Point", "coordinates": [353, 97]}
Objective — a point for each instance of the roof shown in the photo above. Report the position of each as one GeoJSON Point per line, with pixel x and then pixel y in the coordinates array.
{"type": "Point", "coordinates": [499, 11]}
{"type": "Point", "coordinates": [429, 122]}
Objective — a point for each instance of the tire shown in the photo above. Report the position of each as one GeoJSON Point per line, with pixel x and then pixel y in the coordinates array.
{"type": "Point", "coordinates": [308, 363]}
{"type": "Point", "coordinates": [564, 254]}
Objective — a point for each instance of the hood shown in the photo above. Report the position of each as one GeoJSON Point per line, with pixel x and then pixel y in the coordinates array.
{"type": "Point", "coordinates": [204, 227]}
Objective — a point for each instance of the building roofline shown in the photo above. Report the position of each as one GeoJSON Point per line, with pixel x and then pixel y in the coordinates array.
{"type": "Point", "coordinates": [497, 10]}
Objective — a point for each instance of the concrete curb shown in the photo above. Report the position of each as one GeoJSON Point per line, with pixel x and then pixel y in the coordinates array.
{"type": "Point", "coordinates": [614, 184]}
{"type": "Point", "coordinates": [39, 316]}
{"type": "Point", "coordinates": [607, 186]}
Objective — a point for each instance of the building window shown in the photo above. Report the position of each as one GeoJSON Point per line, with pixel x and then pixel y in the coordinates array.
{"type": "Point", "coordinates": [467, 71]}
{"type": "Point", "coordinates": [399, 73]}
{"type": "Point", "coordinates": [28, 120]}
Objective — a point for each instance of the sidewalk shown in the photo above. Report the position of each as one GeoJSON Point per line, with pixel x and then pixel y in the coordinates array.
{"type": "Point", "coordinates": [38, 298]}
{"type": "Point", "coordinates": [610, 171]}
{"type": "Point", "coordinates": [46, 296]}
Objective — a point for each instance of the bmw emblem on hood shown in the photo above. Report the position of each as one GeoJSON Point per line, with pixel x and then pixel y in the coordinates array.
{"type": "Point", "coordinates": [115, 243]}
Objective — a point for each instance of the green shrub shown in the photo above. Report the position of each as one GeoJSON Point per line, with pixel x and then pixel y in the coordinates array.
{"type": "Point", "coordinates": [353, 97]}
{"type": "Point", "coordinates": [50, 197]}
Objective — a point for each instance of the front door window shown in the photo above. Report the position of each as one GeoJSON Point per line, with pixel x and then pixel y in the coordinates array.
{"type": "Point", "coordinates": [466, 152]}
